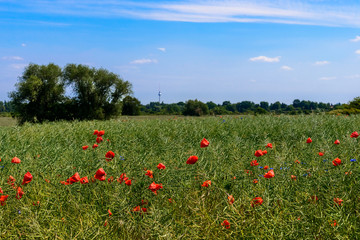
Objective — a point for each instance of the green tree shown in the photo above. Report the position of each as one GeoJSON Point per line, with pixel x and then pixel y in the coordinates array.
{"type": "Point", "coordinates": [39, 94]}
{"type": "Point", "coordinates": [195, 108]}
{"type": "Point", "coordinates": [130, 106]}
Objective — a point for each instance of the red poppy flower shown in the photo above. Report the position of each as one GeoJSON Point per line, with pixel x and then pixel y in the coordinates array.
{"type": "Point", "coordinates": [334, 223]}
{"type": "Point", "coordinates": [256, 201]}
{"type": "Point", "coordinates": [15, 160]}
{"type": "Point", "coordinates": [308, 140]}
{"type": "Point", "coordinates": [85, 147]}
{"type": "Point", "coordinates": [264, 152]}
{"type": "Point", "coordinates": [321, 154]}
{"type": "Point", "coordinates": [27, 178]}
{"type": "Point", "coordinates": [338, 201]}
{"type": "Point", "coordinates": [161, 166]}
{"type": "Point", "coordinates": [258, 153]}
{"type": "Point", "coordinates": [206, 183]}
{"type": "Point", "coordinates": [84, 180]}
{"type": "Point", "coordinates": [106, 223]}
{"type": "Point", "coordinates": [110, 213]}
{"type": "Point", "coordinates": [269, 174]}
{"type": "Point", "coordinates": [128, 182]}
{"type": "Point", "coordinates": [231, 199]}
{"type": "Point", "coordinates": [95, 146]}
{"type": "Point", "coordinates": [226, 224]}
{"type": "Point", "coordinates": [99, 139]}
{"type": "Point", "coordinates": [136, 209]}
{"type": "Point", "coordinates": [155, 187]}
{"type": "Point", "coordinates": [254, 163]}
{"type": "Point", "coordinates": [293, 177]}
{"type": "Point", "coordinates": [111, 179]}
{"type": "Point", "coordinates": [95, 132]}
{"type": "Point", "coordinates": [192, 160]}
{"type": "Point", "coordinates": [100, 174]}
{"type": "Point", "coordinates": [3, 199]}
{"type": "Point", "coordinates": [314, 198]}
{"type": "Point", "coordinates": [354, 135]}
{"type": "Point", "coordinates": [336, 162]}
{"type": "Point", "coordinates": [149, 173]}
{"type": "Point", "coordinates": [255, 181]}
{"type": "Point", "coordinates": [297, 161]}
{"type": "Point", "coordinates": [144, 202]}
{"type": "Point", "coordinates": [11, 180]}
{"type": "Point", "coordinates": [122, 178]}
{"type": "Point", "coordinates": [337, 142]}
{"type": "Point", "coordinates": [109, 156]}
{"type": "Point", "coordinates": [266, 167]}
{"type": "Point", "coordinates": [1, 191]}
{"type": "Point", "coordinates": [269, 145]}
{"type": "Point", "coordinates": [101, 133]}
{"type": "Point", "coordinates": [74, 178]}
{"type": "Point", "coordinates": [144, 210]}
{"type": "Point", "coordinates": [204, 143]}
{"type": "Point", "coordinates": [19, 193]}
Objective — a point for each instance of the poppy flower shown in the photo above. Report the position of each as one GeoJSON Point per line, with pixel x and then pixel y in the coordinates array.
{"type": "Point", "coordinates": [106, 223]}
{"type": "Point", "coordinates": [293, 177]}
{"type": "Point", "coordinates": [1, 191]}
{"type": "Point", "coordinates": [297, 161]}
{"type": "Point", "coordinates": [95, 145]}
{"type": "Point", "coordinates": [85, 147]}
{"type": "Point", "coordinates": [19, 193]}
{"type": "Point", "coordinates": [144, 210]}
{"type": "Point", "coordinates": [111, 179]}
{"type": "Point", "coordinates": [136, 209]}
{"type": "Point", "coordinates": [109, 156]}
{"type": "Point", "coordinates": [110, 213]}
{"type": "Point", "coordinates": [15, 160]}
{"type": "Point", "coordinates": [128, 182]}
{"type": "Point", "coordinates": [336, 162]}
{"type": "Point", "coordinates": [204, 143]}
{"type": "Point", "coordinates": [254, 163]}
{"type": "Point", "coordinates": [74, 178]}
{"type": "Point", "coordinates": [122, 178]}
{"type": "Point", "coordinates": [206, 183]}
{"type": "Point", "coordinates": [264, 152]}
{"type": "Point", "coordinates": [266, 167]}
{"type": "Point", "coordinates": [308, 140]}
{"type": "Point", "coordinates": [334, 223]}
{"type": "Point", "coordinates": [95, 132]}
{"type": "Point", "coordinates": [269, 174]}
{"type": "Point", "coordinates": [161, 166]}
{"type": "Point", "coordinates": [354, 135]}
{"type": "Point", "coordinates": [321, 154]}
{"type": "Point", "coordinates": [231, 199]}
{"type": "Point", "coordinates": [37, 203]}
{"type": "Point", "coordinates": [101, 133]}
{"type": "Point", "coordinates": [27, 178]}
{"type": "Point", "coordinates": [337, 142]}
{"type": "Point", "coordinates": [255, 181]}
{"type": "Point", "coordinates": [11, 180]}
{"type": "Point", "coordinates": [192, 160]}
{"type": "Point", "coordinates": [314, 198]}
{"type": "Point", "coordinates": [155, 187]}
{"type": "Point", "coordinates": [84, 180]}
{"type": "Point", "coordinates": [100, 174]}
{"type": "Point", "coordinates": [3, 199]}
{"type": "Point", "coordinates": [269, 145]}
{"type": "Point", "coordinates": [226, 224]}
{"type": "Point", "coordinates": [144, 202]}
{"type": "Point", "coordinates": [149, 173]}
{"type": "Point", "coordinates": [257, 201]}
{"type": "Point", "coordinates": [99, 139]}
{"type": "Point", "coordinates": [258, 153]}
{"type": "Point", "coordinates": [338, 201]}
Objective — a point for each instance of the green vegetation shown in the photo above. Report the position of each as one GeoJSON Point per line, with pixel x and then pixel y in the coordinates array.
{"type": "Point", "coordinates": [52, 152]}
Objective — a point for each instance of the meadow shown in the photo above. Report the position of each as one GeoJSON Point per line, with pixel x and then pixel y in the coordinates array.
{"type": "Point", "coordinates": [308, 197]}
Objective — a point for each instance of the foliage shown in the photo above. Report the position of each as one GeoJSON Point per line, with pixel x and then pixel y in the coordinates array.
{"type": "Point", "coordinates": [195, 108]}
{"type": "Point", "coordinates": [130, 106]}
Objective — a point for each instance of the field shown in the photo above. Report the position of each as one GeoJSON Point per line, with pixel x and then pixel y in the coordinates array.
{"type": "Point", "coordinates": [306, 205]}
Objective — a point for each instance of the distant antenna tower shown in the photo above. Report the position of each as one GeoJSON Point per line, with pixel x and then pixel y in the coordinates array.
{"type": "Point", "coordinates": [159, 94]}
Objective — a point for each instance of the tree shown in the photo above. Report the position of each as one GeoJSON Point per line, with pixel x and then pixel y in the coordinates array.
{"type": "Point", "coordinates": [39, 94]}
{"type": "Point", "coordinates": [98, 92]}
{"type": "Point", "coordinates": [130, 106]}
{"type": "Point", "coordinates": [195, 108]}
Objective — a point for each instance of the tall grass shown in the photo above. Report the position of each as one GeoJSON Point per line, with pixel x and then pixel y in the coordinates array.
{"type": "Point", "coordinates": [53, 152]}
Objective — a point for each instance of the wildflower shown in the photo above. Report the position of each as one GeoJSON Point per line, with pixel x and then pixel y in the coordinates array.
{"type": "Point", "coordinates": [314, 198]}
{"type": "Point", "coordinates": [297, 161]}
{"type": "Point", "coordinates": [226, 224]}
{"type": "Point", "coordinates": [84, 180]}
{"type": "Point", "coordinates": [293, 177]}
{"type": "Point", "coordinates": [353, 160]}
{"type": "Point", "coordinates": [269, 145]}
{"type": "Point", "coordinates": [101, 133]}
{"type": "Point", "coordinates": [136, 209]}
{"type": "Point", "coordinates": [192, 160]}
{"type": "Point", "coordinates": [27, 178]}
{"type": "Point", "coordinates": [15, 160]}
{"type": "Point", "coordinates": [75, 178]}
{"type": "Point", "coordinates": [155, 187]}
{"type": "Point", "coordinates": [161, 166]}
{"type": "Point", "coordinates": [19, 193]}
{"type": "Point", "coordinates": [338, 201]}
{"type": "Point", "coordinates": [336, 162]}
{"type": "Point", "coordinates": [149, 173]}
{"type": "Point", "coordinates": [266, 167]}
{"type": "Point", "coordinates": [256, 201]}
{"type": "Point", "coordinates": [321, 154]}
{"type": "Point", "coordinates": [206, 183]}
{"type": "Point", "coordinates": [255, 181]}
{"type": "Point", "coordinates": [337, 142]}
{"type": "Point", "coordinates": [269, 174]}
{"type": "Point", "coordinates": [85, 147]}
{"type": "Point", "coordinates": [106, 223]}
{"type": "Point", "coordinates": [231, 199]}
{"type": "Point", "coordinates": [3, 199]}
{"type": "Point", "coordinates": [11, 180]}
{"type": "Point", "coordinates": [111, 179]}
{"type": "Point", "coordinates": [1, 191]}
{"type": "Point", "coordinates": [110, 213]}
{"type": "Point", "coordinates": [95, 132]}
{"type": "Point", "coordinates": [128, 182]}
{"type": "Point", "coordinates": [95, 145]}
{"type": "Point", "coordinates": [258, 153]}
{"type": "Point", "coordinates": [122, 178]}
{"type": "Point", "coordinates": [109, 156]}
{"type": "Point", "coordinates": [264, 152]}
{"type": "Point", "coordinates": [144, 202]}
{"type": "Point", "coordinates": [308, 140]}
{"type": "Point", "coordinates": [254, 163]}
{"type": "Point", "coordinates": [334, 223]}
{"type": "Point", "coordinates": [100, 174]}
{"type": "Point", "coordinates": [99, 139]}
{"type": "Point", "coordinates": [354, 135]}
{"type": "Point", "coordinates": [204, 143]}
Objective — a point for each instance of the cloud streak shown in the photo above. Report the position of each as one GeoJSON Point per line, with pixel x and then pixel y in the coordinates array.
{"type": "Point", "coordinates": [144, 61]}
{"type": "Point", "coordinates": [321, 63]}
{"type": "Point", "coordinates": [265, 59]}
{"type": "Point", "coordinates": [12, 58]}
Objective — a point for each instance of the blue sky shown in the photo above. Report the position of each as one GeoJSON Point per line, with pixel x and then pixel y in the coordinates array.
{"type": "Point", "coordinates": [236, 50]}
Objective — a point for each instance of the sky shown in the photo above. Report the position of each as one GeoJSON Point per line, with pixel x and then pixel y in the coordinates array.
{"type": "Point", "coordinates": [210, 50]}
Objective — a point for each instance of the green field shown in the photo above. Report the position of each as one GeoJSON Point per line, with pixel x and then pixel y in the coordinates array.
{"type": "Point", "coordinates": [52, 153]}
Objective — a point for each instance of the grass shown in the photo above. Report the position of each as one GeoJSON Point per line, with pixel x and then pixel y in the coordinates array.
{"type": "Point", "coordinates": [52, 151]}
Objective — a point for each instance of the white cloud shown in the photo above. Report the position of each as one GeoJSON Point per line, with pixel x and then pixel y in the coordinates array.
{"type": "Point", "coordinates": [264, 59]}
{"type": "Point", "coordinates": [143, 61]}
{"type": "Point", "coordinates": [327, 78]}
{"type": "Point", "coordinates": [356, 39]}
{"type": "Point", "coordinates": [17, 58]}
{"type": "Point", "coordinates": [162, 49]}
{"type": "Point", "coordinates": [320, 63]}
{"type": "Point", "coordinates": [23, 45]}
{"type": "Point", "coordinates": [286, 68]}
{"type": "Point", "coordinates": [357, 51]}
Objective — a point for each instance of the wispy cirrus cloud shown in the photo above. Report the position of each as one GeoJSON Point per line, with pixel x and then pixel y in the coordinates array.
{"type": "Point", "coordinates": [321, 63]}
{"type": "Point", "coordinates": [327, 78]}
{"type": "Point", "coordinates": [265, 59]}
{"type": "Point", "coordinates": [16, 58]}
{"type": "Point", "coordinates": [356, 39]}
{"type": "Point", "coordinates": [357, 51]}
{"type": "Point", "coordinates": [144, 61]}
{"type": "Point", "coordinates": [286, 68]}
{"type": "Point", "coordinates": [161, 49]}
{"type": "Point", "coordinates": [306, 12]}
